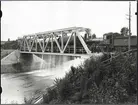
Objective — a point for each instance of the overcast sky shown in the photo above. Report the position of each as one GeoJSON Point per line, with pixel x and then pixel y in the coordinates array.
{"type": "Point", "coordinates": [26, 17]}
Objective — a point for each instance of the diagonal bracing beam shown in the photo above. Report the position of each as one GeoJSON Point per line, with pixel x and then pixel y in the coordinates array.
{"type": "Point", "coordinates": [57, 44]}
{"type": "Point", "coordinates": [33, 42]}
{"type": "Point", "coordinates": [83, 43]}
{"type": "Point", "coordinates": [67, 42]}
{"type": "Point", "coordinates": [27, 44]}
{"type": "Point", "coordinates": [46, 44]}
{"type": "Point", "coordinates": [39, 43]}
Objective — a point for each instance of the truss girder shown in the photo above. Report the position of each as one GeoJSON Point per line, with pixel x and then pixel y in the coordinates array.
{"type": "Point", "coordinates": [28, 42]}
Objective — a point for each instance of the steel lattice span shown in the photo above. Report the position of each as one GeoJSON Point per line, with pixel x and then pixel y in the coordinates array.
{"type": "Point", "coordinates": [67, 40]}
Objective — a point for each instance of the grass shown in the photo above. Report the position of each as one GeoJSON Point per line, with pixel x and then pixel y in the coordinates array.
{"type": "Point", "coordinates": [4, 53]}
{"type": "Point", "coordinates": [11, 102]}
{"type": "Point", "coordinates": [28, 101]}
{"type": "Point", "coordinates": [95, 82]}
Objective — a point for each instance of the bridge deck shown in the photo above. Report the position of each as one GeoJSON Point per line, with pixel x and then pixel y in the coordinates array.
{"type": "Point", "coordinates": [64, 54]}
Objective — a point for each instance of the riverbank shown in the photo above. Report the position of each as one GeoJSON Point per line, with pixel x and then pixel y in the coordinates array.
{"type": "Point", "coordinates": [4, 52]}
{"type": "Point", "coordinates": [97, 82]}
{"type": "Point", "coordinates": [17, 63]}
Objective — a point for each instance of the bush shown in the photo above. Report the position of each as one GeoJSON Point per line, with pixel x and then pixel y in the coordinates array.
{"type": "Point", "coordinates": [11, 45]}
{"type": "Point", "coordinates": [97, 82]}
{"type": "Point", "coordinates": [28, 101]}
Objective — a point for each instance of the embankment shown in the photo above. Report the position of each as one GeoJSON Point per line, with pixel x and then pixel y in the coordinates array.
{"type": "Point", "coordinates": [97, 82]}
{"type": "Point", "coordinates": [16, 62]}
{"type": "Point", "coordinates": [5, 52]}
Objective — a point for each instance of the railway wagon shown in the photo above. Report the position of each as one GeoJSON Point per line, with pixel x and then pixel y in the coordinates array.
{"type": "Point", "coordinates": [122, 43]}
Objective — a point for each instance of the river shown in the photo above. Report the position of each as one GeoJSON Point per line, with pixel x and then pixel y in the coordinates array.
{"type": "Point", "coordinates": [17, 86]}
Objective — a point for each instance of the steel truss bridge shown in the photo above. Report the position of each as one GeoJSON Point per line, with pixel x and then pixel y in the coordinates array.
{"type": "Point", "coordinates": [56, 42]}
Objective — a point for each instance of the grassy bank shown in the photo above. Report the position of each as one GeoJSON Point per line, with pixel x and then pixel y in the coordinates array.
{"type": "Point", "coordinates": [4, 52]}
{"type": "Point", "coordinates": [96, 81]}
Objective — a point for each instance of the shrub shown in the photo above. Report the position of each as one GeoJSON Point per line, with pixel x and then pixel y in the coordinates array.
{"type": "Point", "coordinates": [28, 101]}
{"type": "Point", "coordinates": [98, 82]}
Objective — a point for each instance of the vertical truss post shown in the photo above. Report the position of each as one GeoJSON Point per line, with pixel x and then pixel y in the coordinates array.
{"type": "Point", "coordinates": [29, 41]}
{"type": "Point", "coordinates": [75, 43]}
{"type": "Point", "coordinates": [43, 43]}
{"type": "Point", "coordinates": [61, 51]}
{"type": "Point", "coordinates": [47, 43]}
{"type": "Point", "coordinates": [62, 45]}
{"type": "Point", "coordinates": [52, 43]}
{"type": "Point", "coordinates": [67, 42]}
{"type": "Point", "coordinates": [29, 44]}
{"type": "Point", "coordinates": [40, 44]}
{"type": "Point", "coordinates": [24, 44]}
{"type": "Point", "coordinates": [36, 44]}
{"type": "Point", "coordinates": [33, 41]}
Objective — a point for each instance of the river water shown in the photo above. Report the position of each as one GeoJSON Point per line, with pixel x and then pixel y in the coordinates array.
{"type": "Point", "coordinates": [17, 86]}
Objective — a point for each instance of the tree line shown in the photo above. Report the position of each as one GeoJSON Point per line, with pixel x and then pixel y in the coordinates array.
{"type": "Point", "coordinates": [10, 45]}
{"type": "Point", "coordinates": [123, 32]}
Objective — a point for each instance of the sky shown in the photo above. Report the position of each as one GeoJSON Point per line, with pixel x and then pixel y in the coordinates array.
{"type": "Point", "coordinates": [27, 17]}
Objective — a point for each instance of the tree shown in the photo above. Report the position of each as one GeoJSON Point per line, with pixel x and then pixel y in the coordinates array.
{"type": "Point", "coordinates": [93, 36]}
{"type": "Point", "coordinates": [124, 31]}
{"type": "Point", "coordinates": [8, 39]}
{"type": "Point", "coordinates": [11, 45]}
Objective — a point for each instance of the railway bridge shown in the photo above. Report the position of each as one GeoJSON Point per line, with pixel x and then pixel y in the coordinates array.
{"type": "Point", "coordinates": [67, 41]}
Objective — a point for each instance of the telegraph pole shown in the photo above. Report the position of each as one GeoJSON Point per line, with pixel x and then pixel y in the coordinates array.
{"type": "Point", "coordinates": [129, 41]}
